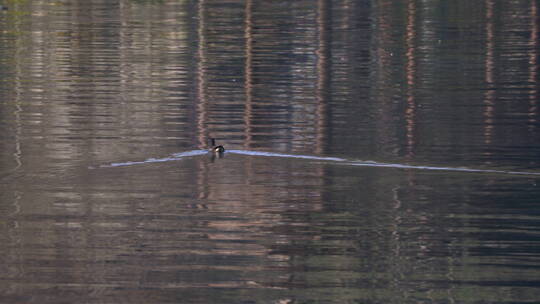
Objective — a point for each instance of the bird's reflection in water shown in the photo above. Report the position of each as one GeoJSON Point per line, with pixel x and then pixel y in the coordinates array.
{"type": "Point", "coordinates": [216, 155]}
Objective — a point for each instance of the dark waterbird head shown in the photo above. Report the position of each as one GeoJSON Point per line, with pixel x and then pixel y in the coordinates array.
{"type": "Point", "coordinates": [3, 8]}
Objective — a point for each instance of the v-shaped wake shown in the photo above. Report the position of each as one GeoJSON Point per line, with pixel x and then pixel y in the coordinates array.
{"type": "Point", "coordinates": [192, 153]}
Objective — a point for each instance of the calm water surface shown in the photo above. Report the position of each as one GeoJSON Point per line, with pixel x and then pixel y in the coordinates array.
{"type": "Point", "coordinates": [338, 117]}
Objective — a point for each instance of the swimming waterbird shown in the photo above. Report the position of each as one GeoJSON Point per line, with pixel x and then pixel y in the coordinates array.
{"type": "Point", "coordinates": [216, 149]}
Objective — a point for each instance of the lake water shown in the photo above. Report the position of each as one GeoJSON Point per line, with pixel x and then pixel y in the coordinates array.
{"type": "Point", "coordinates": [377, 151]}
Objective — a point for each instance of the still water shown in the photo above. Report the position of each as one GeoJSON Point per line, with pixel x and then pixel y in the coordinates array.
{"type": "Point", "coordinates": [377, 151]}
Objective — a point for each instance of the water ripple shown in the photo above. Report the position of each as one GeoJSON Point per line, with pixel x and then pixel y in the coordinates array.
{"type": "Point", "coordinates": [363, 163]}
